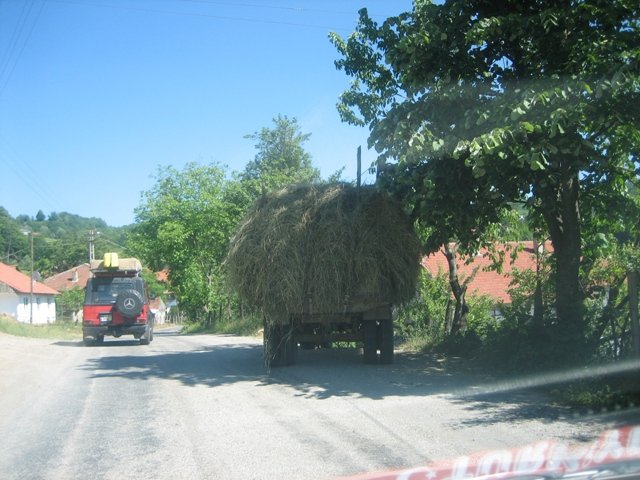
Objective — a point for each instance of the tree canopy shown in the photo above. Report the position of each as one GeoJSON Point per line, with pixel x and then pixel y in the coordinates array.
{"type": "Point", "coordinates": [184, 223]}
{"type": "Point", "coordinates": [473, 105]}
{"type": "Point", "coordinates": [280, 158]}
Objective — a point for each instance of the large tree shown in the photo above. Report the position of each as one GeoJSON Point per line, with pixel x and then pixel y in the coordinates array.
{"type": "Point", "coordinates": [474, 104]}
{"type": "Point", "coordinates": [184, 224]}
{"type": "Point", "coordinates": [281, 158]}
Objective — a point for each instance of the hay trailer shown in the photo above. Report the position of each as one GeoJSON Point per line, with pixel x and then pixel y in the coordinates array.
{"type": "Point", "coordinates": [369, 325]}
{"type": "Point", "coordinates": [325, 264]}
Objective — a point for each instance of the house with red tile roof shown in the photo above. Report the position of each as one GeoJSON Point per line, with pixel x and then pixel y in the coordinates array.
{"type": "Point", "coordinates": [25, 299]}
{"type": "Point", "coordinates": [488, 281]}
{"type": "Point", "coordinates": [75, 277]}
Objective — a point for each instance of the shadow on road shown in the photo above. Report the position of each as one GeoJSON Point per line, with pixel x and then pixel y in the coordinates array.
{"type": "Point", "coordinates": [323, 374]}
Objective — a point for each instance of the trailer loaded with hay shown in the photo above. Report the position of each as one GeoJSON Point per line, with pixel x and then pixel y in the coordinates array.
{"type": "Point", "coordinates": [324, 264]}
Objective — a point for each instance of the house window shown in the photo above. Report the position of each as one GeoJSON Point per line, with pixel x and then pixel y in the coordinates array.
{"type": "Point", "coordinates": [25, 301]}
{"type": "Point", "coordinates": [38, 300]}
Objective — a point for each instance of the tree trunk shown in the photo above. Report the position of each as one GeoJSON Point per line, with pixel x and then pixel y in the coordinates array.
{"type": "Point", "coordinates": [563, 221]}
{"type": "Point", "coordinates": [458, 323]}
{"type": "Point", "coordinates": [538, 302]}
{"type": "Point", "coordinates": [448, 318]}
{"type": "Point", "coordinates": [632, 284]}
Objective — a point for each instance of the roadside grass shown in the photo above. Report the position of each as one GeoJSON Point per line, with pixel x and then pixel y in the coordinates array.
{"type": "Point", "coordinates": [247, 326]}
{"type": "Point", "coordinates": [54, 331]}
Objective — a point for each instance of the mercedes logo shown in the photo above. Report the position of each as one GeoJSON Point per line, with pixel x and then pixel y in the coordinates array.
{"type": "Point", "coordinates": [129, 303]}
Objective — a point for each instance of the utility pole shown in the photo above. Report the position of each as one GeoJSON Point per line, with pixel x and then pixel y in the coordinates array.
{"type": "Point", "coordinates": [27, 231]}
{"type": "Point", "coordinates": [92, 238]}
{"type": "Point", "coordinates": [31, 282]}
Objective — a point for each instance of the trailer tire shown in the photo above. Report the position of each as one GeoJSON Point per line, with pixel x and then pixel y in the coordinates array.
{"type": "Point", "coordinates": [290, 347]}
{"type": "Point", "coordinates": [280, 348]}
{"type": "Point", "coordinates": [370, 349]}
{"type": "Point", "coordinates": [385, 330]}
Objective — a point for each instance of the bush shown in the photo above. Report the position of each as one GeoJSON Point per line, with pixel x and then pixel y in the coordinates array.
{"type": "Point", "coordinates": [422, 322]}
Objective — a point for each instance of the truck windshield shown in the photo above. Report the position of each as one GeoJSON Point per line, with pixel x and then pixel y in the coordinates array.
{"type": "Point", "coordinates": [102, 291]}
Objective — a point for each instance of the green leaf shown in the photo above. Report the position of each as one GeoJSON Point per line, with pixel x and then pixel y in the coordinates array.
{"type": "Point", "coordinates": [528, 127]}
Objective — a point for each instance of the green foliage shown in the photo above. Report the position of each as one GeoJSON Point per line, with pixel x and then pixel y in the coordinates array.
{"type": "Point", "coordinates": [68, 303]}
{"type": "Point", "coordinates": [156, 288]}
{"type": "Point", "coordinates": [59, 241]}
{"type": "Point", "coordinates": [281, 158]}
{"type": "Point", "coordinates": [422, 322]}
{"type": "Point", "coordinates": [14, 245]}
{"type": "Point", "coordinates": [473, 106]}
{"type": "Point", "coordinates": [184, 224]}
{"type": "Point", "coordinates": [424, 316]}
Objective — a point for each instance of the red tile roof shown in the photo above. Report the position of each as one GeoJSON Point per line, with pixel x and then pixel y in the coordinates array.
{"type": "Point", "coordinates": [19, 282]}
{"type": "Point", "coordinates": [74, 277]}
{"type": "Point", "coordinates": [488, 282]}
{"type": "Point", "coordinates": [162, 275]}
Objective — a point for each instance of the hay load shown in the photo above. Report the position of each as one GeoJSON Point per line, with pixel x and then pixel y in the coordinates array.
{"type": "Point", "coordinates": [323, 249]}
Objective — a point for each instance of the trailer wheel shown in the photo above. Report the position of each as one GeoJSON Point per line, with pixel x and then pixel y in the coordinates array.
{"type": "Point", "coordinates": [280, 348]}
{"type": "Point", "coordinates": [385, 330]}
{"type": "Point", "coordinates": [289, 346]}
{"type": "Point", "coordinates": [370, 349]}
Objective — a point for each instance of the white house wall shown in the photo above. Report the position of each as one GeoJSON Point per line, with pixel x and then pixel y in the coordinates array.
{"type": "Point", "coordinates": [9, 304]}
{"type": "Point", "coordinates": [44, 309]}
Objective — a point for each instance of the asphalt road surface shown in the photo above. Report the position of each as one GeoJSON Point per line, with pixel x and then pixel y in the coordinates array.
{"type": "Point", "coordinates": [205, 407]}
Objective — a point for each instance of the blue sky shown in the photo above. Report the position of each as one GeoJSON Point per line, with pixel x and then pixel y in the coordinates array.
{"type": "Point", "coordinates": [95, 95]}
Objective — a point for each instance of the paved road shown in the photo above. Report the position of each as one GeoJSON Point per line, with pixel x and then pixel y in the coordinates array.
{"type": "Point", "coordinates": [204, 407]}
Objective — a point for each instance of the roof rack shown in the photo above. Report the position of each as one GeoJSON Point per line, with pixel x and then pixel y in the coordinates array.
{"type": "Point", "coordinates": [111, 264]}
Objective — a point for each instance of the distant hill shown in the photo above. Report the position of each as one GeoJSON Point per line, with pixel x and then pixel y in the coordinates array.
{"type": "Point", "coordinates": [60, 240]}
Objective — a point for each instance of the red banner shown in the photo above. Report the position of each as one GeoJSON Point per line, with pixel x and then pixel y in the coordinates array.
{"type": "Point", "coordinates": [546, 457]}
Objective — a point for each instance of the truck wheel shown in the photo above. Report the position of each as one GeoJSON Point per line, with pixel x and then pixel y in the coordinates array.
{"type": "Point", "coordinates": [370, 349]}
{"type": "Point", "coordinates": [146, 337]}
{"type": "Point", "coordinates": [385, 329]}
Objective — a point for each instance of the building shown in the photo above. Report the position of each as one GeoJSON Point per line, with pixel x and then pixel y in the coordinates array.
{"type": "Point", "coordinates": [488, 281]}
{"type": "Point", "coordinates": [159, 309]}
{"type": "Point", "coordinates": [23, 302]}
{"type": "Point", "coordinates": [75, 277]}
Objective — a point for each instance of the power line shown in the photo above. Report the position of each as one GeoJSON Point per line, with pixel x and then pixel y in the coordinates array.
{"type": "Point", "coordinates": [280, 7]}
{"type": "Point", "coordinates": [14, 42]}
{"type": "Point", "coordinates": [270, 7]}
{"type": "Point", "coordinates": [25, 173]}
{"type": "Point", "coordinates": [199, 14]}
